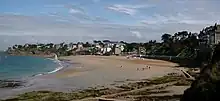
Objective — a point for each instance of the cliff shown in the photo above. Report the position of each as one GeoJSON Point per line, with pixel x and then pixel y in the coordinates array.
{"type": "Point", "coordinates": [207, 86]}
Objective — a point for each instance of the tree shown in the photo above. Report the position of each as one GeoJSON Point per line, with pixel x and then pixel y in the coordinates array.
{"type": "Point", "coordinates": [206, 87]}
{"type": "Point", "coordinates": [87, 44]}
{"type": "Point", "coordinates": [20, 46]}
{"type": "Point", "coordinates": [62, 44]}
{"type": "Point", "coordinates": [183, 35]}
{"type": "Point", "coordinates": [95, 42]}
{"type": "Point", "coordinates": [166, 37]}
{"type": "Point", "coordinates": [106, 41]}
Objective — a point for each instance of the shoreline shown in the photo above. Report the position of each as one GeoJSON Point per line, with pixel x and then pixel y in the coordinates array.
{"type": "Point", "coordinates": [95, 71]}
{"type": "Point", "coordinates": [21, 81]}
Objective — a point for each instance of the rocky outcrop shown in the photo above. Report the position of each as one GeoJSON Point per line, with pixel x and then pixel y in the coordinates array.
{"type": "Point", "coordinates": [207, 86]}
{"type": "Point", "coordinates": [10, 83]}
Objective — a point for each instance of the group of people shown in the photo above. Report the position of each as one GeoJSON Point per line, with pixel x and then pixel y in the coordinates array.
{"type": "Point", "coordinates": [147, 67]}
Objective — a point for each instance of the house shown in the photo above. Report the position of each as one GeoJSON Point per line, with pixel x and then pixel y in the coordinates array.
{"type": "Point", "coordinates": [74, 46]}
{"type": "Point", "coordinates": [80, 46]}
{"type": "Point", "coordinates": [211, 35]}
{"type": "Point", "coordinates": [71, 46]}
{"type": "Point", "coordinates": [119, 47]}
{"type": "Point", "coordinates": [117, 51]}
{"type": "Point", "coordinates": [26, 45]}
{"type": "Point", "coordinates": [98, 46]}
{"type": "Point", "coordinates": [38, 47]}
{"type": "Point", "coordinates": [142, 50]}
{"type": "Point", "coordinates": [57, 46]}
{"type": "Point", "coordinates": [106, 50]}
{"type": "Point", "coordinates": [217, 34]}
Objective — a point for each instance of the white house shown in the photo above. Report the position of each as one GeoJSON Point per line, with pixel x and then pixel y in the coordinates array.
{"type": "Point", "coordinates": [80, 46]}
{"type": "Point", "coordinates": [26, 45]}
{"type": "Point", "coordinates": [74, 46]}
{"type": "Point", "coordinates": [98, 46]}
{"type": "Point", "coordinates": [38, 47]}
{"type": "Point", "coordinates": [57, 46]}
{"type": "Point", "coordinates": [117, 51]}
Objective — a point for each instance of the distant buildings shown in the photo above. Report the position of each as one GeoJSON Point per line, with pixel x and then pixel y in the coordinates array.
{"type": "Point", "coordinates": [57, 46]}
{"type": "Point", "coordinates": [217, 35]}
{"type": "Point", "coordinates": [105, 47]}
{"type": "Point", "coordinates": [214, 35]}
{"type": "Point", "coordinates": [210, 35]}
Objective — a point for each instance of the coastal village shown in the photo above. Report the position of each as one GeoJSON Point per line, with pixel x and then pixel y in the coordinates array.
{"type": "Point", "coordinates": [97, 48]}
{"type": "Point", "coordinates": [102, 62]}
{"type": "Point", "coordinates": [109, 50]}
{"type": "Point", "coordinates": [181, 44]}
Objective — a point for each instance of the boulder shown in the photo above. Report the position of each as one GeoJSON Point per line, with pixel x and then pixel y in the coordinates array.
{"type": "Point", "coordinates": [207, 86]}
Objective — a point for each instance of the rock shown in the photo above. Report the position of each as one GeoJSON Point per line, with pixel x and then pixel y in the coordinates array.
{"type": "Point", "coordinates": [10, 83]}
{"type": "Point", "coordinates": [207, 86]}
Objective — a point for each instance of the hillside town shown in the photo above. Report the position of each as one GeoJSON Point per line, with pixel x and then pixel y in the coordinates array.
{"type": "Point", "coordinates": [181, 44]}
{"type": "Point", "coordinates": [105, 47]}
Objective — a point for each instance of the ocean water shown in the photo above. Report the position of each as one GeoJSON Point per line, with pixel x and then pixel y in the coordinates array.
{"type": "Point", "coordinates": [21, 67]}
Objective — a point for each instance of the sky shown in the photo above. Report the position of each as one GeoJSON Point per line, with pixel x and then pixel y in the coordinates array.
{"type": "Point", "coordinates": [44, 21]}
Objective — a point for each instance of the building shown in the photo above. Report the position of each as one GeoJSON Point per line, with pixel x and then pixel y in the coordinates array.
{"type": "Point", "coordinates": [80, 46]}
{"type": "Point", "coordinates": [213, 34]}
{"type": "Point", "coordinates": [57, 46]}
{"type": "Point", "coordinates": [210, 35]}
{"type": "Point", "coordinates": [74, 46]}
{"type": "Point", "coordinates": [217, 34]}
{"type": "Point", "coordinates": [117, 51]}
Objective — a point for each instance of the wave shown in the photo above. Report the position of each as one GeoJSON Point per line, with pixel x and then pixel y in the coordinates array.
{"type": "Point", "coordinates": [55, 70]}
{"type": "Point", "coordinates": [58, 68]}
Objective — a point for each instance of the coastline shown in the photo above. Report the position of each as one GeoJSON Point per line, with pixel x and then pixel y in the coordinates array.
{"type": "Point", "coordinates": [38, 55]}
{"type": "Point", "coordinates": [95, 71]}
{"type": "Point", "coordinates": [19, 82]}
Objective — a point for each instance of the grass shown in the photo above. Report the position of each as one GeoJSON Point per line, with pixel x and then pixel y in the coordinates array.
{"type": "Point", "coordinates": [94, 92]}
{"type": "Point", "coordinates": [154, 81]}
{"type": "Point", "coordinates": [159, 98]}
{"type": "Point", "coordinates": [61, 96]}
{"type": "Point", "coordinates": [148, 92]}
{"type": "Point", "coordinates": [183, 82]}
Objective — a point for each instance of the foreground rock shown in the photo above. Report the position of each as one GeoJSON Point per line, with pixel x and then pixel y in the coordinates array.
{"type": "Point", "coordinates": [146, 90]}
{"type": "Point", "coordinates": [207, 86]}
{"type": "Point", "coordinates": [10, 83]}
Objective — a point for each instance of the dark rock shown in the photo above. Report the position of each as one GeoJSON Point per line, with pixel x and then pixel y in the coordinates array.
{"type": "Point", "coordinates": [10, 83]}
{"type": "Point", "coordinates": [207, 86]}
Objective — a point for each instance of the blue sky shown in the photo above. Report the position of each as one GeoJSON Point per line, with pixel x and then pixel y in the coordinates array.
{"type": "Point", "coordinates": [32, 21]}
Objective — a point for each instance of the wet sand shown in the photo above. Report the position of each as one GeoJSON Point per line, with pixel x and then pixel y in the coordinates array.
{"type": "Point", "coordinates": [93, 71]}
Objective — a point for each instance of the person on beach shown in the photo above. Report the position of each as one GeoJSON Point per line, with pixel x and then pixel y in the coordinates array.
{"type": "Point", "coordinates": [147, 66]}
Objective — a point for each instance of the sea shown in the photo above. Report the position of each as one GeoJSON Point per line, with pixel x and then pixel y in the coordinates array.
{"type": "Point", "coordinates": [23, 67]}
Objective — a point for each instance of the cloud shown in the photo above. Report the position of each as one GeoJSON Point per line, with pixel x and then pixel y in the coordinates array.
{"type": "Point", "coordinates": [95, 1]}
{"type": "Point", "coordinates": [127, 9]}
{"type": "Point", "coordinates": [136, 33]}
{"type": "Point", "coordinates": [47, 29]}
{"type": "Point", "coordinates": [178, 18]}
{"type": "Point", "coordinates": [121, 9]}
{"type": "Point", "coordinates": [75, 11]}
{"type": "Point", "coordinates": [150, 19]}
{"type": "Point", "coordinates": [54, 6]}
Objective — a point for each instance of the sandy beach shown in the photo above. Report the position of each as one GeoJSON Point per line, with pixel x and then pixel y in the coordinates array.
{"type": "Point", "coordinates": [93, 71]}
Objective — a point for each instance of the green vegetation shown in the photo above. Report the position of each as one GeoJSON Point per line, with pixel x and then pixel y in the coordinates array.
{"type": "Point", "coordinates": [159, 98]}
{"type": "Point", "coordinates": [207, 86]}
{"type": "Point", "coordinates": [154, 81]}
{"type": "Point", "coordinates": [182, 44]}
{"type": "Point", "coordinates": [94, 92]}
{"type": "Point", "coordinates": [61, 96]}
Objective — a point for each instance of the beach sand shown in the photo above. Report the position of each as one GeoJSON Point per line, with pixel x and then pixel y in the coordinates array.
{"type": "Point", "coordinates": [93, 71]}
